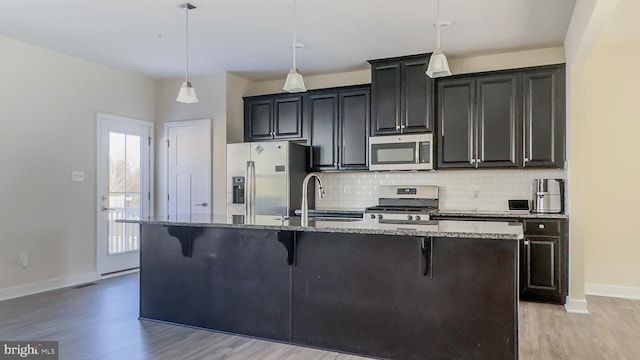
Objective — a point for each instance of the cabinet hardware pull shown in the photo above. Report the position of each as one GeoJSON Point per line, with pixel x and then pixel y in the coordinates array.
{"type": "Point", "coordinates": [526, 242]}
{"type": "Point", "coordinates": [540, 226]}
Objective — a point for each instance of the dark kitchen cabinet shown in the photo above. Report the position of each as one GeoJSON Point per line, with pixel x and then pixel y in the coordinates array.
{"type": "Point", "coordinates": [542, 255]}
{"type": "Point", "coordinates": [338, 128]}
{"type": "Point", "coordinates": [511, 119]}
{"type": "Point", "coordinates": [544, 117]}
{"type": "Point", "coordinates": [271, 117]}
{"type": "Point", "coordinates": [401, 95]}
{"type": "Point", "coordinates": [478, 121]}
{"type": "Point", "coordinates": [456, 137]}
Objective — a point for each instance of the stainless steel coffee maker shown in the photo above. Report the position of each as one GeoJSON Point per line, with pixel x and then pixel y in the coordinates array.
{"type": "Point", "coordinates": [548, 196]}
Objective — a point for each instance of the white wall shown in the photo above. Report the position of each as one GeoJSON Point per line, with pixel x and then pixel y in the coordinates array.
{"type": "Point", "coordinates": [211, 91]}
{"type": "Point", "coordinates": [48, 106]}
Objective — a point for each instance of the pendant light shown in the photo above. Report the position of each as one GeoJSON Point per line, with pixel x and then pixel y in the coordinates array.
{"type": "Point", "coordinates": [187, 94]}
{"type": "Point", "coordinates": [438, 65]}
{"type": "Point", "coordinates": [294, 82]}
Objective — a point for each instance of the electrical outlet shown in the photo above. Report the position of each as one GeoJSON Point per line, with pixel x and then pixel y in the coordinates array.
{"type": "Point", "coordinates": [23, 258]}
{"type": "Point", "coordinates": [77, 176]}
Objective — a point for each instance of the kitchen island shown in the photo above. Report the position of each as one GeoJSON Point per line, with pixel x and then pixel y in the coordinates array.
{"type": "Point", "coordinates": [443, 290]}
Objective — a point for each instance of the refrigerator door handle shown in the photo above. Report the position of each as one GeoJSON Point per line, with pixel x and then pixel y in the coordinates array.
{"type": "Point", "coordinates": [250, 190]}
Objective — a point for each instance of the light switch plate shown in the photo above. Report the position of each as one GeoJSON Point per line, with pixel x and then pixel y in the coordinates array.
{"type": "Point", "coordinates": [77, 176]}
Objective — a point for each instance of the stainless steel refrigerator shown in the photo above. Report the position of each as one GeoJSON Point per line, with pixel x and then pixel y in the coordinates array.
{"type": "Point", "coordinates": [265, 178]}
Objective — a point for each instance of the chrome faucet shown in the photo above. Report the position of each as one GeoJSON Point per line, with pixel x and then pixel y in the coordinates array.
{"type": "Point", "coordinates": [304, 221]}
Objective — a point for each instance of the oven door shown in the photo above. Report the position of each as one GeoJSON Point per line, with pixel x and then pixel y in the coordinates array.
{"type": "Point", "coordinates": [414, 154]}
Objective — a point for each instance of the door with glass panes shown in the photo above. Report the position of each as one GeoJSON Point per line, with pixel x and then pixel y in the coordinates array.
{"type": "Point", "coordinates": [124, 190]}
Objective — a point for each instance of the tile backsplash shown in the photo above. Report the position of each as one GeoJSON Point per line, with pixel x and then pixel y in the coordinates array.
{"type": "Point", "coordinates": [486, 190]}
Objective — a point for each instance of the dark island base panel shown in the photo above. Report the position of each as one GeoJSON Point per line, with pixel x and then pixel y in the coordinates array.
{"type": "Point", "coordinates": [385, 296]}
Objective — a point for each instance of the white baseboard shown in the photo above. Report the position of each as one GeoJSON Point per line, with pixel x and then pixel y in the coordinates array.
{"type": "Point", "coordinates": [47, 285]}
{"type": "Point", "coordinates": [625, 292]}
{"type": "Point", "coordinates": [576, 306]}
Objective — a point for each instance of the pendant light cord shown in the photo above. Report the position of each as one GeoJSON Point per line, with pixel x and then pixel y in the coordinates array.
{"type": "Point", "coordinates": [294, 35]}
{"type": "Point", "coordinates": [186, 12]}
{"type": "Point", "coordinates": [438, 28]}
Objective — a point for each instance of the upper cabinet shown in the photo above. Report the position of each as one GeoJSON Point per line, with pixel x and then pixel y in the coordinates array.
{"type": "Point", "coordinates": [502, 119]}
{"type": "Point", "coordinates": [478, 121]}
{"type": "Point", "coordinates": [544, 117]}
{"type": "Point", "coordinates": [401, 95]}
{"type": "Point", "coordinates": [273, 117]}
{"type": "Point", "coordinates": [338, 127]}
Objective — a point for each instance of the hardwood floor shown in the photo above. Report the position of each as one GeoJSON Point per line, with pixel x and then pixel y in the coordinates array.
{"type": "Point", "coordinates": [101, 322]}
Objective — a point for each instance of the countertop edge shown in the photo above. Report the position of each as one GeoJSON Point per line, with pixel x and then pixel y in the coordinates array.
{"type": "Point", "coordinates": [400, 232]}
{"type": "Point", "coordinates": [488, 214]}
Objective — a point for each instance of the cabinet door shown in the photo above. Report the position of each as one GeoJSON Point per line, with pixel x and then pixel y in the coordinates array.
{"type": "Point", "coordinates": [497, 120]}
{"type": "Point", "coordinates": [258, 119]}
{"type": "Point", "coordinates": [354, 127]}
{"type": "Point", "coordinates": [456, 123]}
{"type": "Point", "coordinates": [417, 92]}
{"type": "Point", "coordinates": [323, 126]}
{"type": "Point", "coordinates": [385, 90]}
{"type": "Point", "coordinates": [287, 117]}
{"type": "Point", "coordinates": [544, 117]}
{"type": "Point", "coordinates": [540, 277]}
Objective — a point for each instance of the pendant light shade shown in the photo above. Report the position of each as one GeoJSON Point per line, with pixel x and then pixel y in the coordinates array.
{"type": "Point", "coordinates": [438, 65]}
{"type": "Point", "coordinates": [187, 94]}
{"type": "Point", "coordinates": [294, 82]}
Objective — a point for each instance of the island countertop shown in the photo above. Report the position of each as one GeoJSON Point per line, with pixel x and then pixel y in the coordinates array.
{"type": "Point", "coordinates": [438, 228]}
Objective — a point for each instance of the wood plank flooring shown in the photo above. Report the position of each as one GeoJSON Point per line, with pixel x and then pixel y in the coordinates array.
{"type": "Point", "coordinates": [101, 322]}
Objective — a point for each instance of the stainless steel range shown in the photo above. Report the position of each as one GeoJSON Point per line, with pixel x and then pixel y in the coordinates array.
{"type": "Point", "coordinates": [403, 204]}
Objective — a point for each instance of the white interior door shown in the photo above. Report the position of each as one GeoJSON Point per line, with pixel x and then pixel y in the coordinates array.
{"type": "Point", "coordinates": [188, 167]}
{"type": "Point", "coordinates": [124, 185]}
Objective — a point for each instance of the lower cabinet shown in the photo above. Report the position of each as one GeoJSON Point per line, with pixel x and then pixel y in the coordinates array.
{"type": "Point", "coordinates": [543, 262]}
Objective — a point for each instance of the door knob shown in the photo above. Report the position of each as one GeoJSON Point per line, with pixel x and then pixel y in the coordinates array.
{"type": "Point", "coordinates": [204, 204]}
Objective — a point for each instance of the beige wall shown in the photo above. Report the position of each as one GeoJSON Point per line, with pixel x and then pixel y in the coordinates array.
{"type": "Point", "coordinates": [501, 61]}
{"type": "Point", "coordinates": [610, 179]}
{"type": "Point", "coordinates": [211, 91]}
{"type": "Point", "coordinates": [237, 87]}
{"type": "Point", "coordinates": [48, 106]}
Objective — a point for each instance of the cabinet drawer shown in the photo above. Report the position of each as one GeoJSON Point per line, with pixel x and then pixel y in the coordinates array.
{"type": "Point", "coordinates": [542, 227]}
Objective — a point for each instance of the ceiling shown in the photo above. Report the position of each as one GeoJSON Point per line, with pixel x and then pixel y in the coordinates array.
{"type": "Point", "coordinates": [252, 38]}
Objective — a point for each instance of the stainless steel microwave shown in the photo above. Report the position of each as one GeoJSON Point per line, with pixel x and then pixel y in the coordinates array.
{"type": "Point", "coordinates": [401, 152]}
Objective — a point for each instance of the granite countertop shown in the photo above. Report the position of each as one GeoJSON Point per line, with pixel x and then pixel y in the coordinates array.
{"type": "Point", "coordinates": [452, 229]}
{"type": "Point", "coordinates": [497, 214]}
